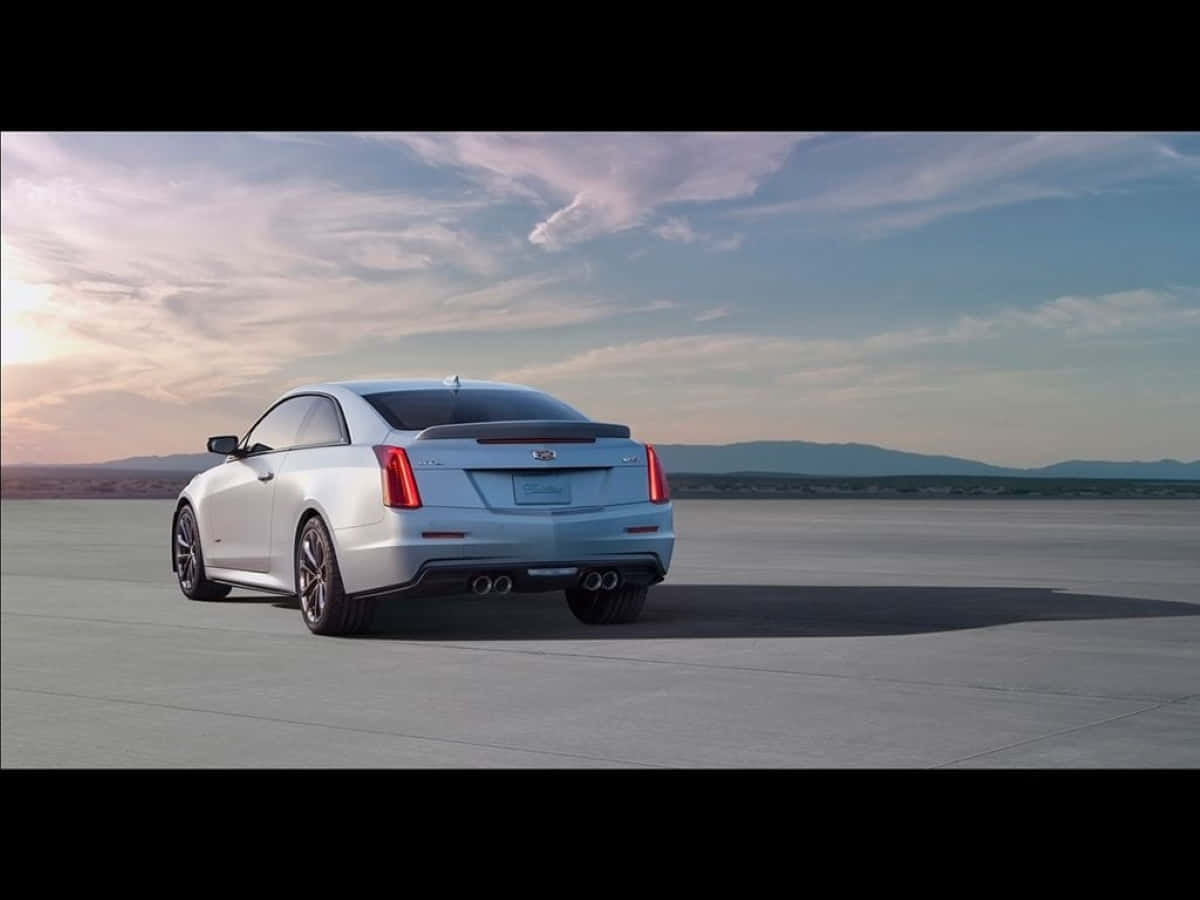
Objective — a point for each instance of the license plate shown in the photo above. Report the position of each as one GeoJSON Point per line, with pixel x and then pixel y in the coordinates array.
{"type": "Point", "coordinates": [551, 487]}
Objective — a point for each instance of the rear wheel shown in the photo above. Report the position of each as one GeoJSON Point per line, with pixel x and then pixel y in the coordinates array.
{"type": "Point", "coordinates": [324, 605]}
{"type": "Point", "coordinates": [189, 560]}
{"type": "Point", "coordinates": [619, 606]}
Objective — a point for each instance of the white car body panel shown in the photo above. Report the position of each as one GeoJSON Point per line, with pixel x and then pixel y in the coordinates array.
{"type": "Point", "coordinates": [236, 526]}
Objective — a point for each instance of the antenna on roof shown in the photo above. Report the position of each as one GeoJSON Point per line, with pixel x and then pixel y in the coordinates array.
{"type": "Point", "coordinates": [451, 381]}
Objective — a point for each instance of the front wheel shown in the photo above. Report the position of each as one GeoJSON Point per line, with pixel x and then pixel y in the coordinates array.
{"type": "Point", "coordinates": [324, 605]}
{"type": "Point", "coordinates": [189, 560]}
{"type": "Point", "coordinates": [619, 606]}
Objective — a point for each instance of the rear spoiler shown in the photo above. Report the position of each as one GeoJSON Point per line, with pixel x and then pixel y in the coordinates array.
{"type": "Point", "coordinates": [527, 432]}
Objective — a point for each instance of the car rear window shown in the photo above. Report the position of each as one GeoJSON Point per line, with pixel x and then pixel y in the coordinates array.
{"type": "Point", "coordinates": [421, 409]}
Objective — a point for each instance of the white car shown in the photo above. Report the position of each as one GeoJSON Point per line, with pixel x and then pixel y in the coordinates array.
{"type": "Point", "coordinates": [348, 492]}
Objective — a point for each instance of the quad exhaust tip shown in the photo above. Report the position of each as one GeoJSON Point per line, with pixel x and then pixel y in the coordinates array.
{"type": "Point", "coordinates": [595, 581]}
{"type": "Point", "coordinates": [481, 584]}
{"type": "Point", "coordinates": [502, 585]}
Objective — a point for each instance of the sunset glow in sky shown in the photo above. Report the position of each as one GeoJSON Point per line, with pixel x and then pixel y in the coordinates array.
{"type": "Point", "coordinates": [1015, 298]}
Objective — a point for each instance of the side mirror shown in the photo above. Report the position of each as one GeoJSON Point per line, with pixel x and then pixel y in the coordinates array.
{"type": "Point", "coordinates": [225, 444]}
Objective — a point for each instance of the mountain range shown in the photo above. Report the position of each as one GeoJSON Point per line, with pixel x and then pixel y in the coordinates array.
{"type": "Point", "coordinates": [796, 458]}
{"type": "Point", "coordinates": [806, 458]}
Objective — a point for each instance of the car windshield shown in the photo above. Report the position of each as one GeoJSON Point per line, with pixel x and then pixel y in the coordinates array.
{"type": "Point", "coordinates": [421, 409]}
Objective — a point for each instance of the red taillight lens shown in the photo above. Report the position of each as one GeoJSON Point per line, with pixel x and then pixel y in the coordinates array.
{"type": "Point", "coordinates": [399, 484]}
{"type": "Point", "coordinates": [658, 481]}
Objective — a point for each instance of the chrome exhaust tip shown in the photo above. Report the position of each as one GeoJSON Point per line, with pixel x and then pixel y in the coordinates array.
{"type": "Point", "coordinates": [591, 581]}
{"type": "Point", "coordinates": [610, 580]}
{"type": "Point", "coordinates": [481, 584]}
{"type": "Point", "coordinates": [502, 585]}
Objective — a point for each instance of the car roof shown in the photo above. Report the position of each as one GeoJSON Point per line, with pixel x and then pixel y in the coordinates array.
{"type": "Point", "coordinates": [363, 388]}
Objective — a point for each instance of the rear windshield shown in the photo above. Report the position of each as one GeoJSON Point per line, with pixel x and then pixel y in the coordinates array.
{"type": "Point", "coordinates": [418, 410]}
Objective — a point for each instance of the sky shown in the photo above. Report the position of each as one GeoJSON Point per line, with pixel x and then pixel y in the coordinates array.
{"type": "Point", "coordinates": [1015, 298]}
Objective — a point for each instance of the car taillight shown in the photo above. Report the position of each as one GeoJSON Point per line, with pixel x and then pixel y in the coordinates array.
{"type": "Point", "coordinates": [399, 484]}
{"type": "Point", "coordinates": [658, 481]}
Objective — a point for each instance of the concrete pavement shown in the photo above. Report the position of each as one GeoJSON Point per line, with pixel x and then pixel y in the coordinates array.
{"type": "Point", "coordinates": [790, 633]}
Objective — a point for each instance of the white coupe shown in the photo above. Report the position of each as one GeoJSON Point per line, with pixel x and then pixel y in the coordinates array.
{"type": "Point", "coordinates": [345, 493]}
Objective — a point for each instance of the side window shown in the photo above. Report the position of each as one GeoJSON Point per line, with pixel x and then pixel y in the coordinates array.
{"type": "Point", "coordinates": [322, 425]}
{"type": "Point", "coordinates": [279, 429]}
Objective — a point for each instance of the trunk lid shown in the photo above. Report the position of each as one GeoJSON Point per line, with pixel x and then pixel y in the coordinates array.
{"type": "Point", "coordinates": [528, 467]}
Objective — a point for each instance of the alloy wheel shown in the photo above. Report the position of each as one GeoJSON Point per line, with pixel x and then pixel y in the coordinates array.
{"type": "Point", "coordinates": [185, 549]}
{"type": "Point", "coordinates": [314, 574]}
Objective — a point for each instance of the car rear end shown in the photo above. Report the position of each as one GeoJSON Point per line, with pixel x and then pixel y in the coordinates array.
{"type": "Point", "coordinates": [501, 503]}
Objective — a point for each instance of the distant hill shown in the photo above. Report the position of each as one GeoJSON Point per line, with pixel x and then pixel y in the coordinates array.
{"type": "Point", "coordinates": [795, 458]}
{"type": "Point", "coordinates": [806, 458]}
{"type": "Point", "coordinates": [178, 462]}
{"type": "Point", "coordinates": [1082, 468]}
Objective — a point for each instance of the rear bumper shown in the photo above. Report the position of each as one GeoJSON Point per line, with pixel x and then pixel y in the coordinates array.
{"type": "Point", "coordinates": [393, 556]}
{"type": "Point", "coordinates": [441, 578]}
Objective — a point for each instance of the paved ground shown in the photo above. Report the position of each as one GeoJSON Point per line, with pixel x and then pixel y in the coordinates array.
{"type": "Point", "coordinates": [790, 633]}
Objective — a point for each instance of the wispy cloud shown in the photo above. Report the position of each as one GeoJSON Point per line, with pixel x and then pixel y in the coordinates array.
{"type": "Point", "coordinates": [606, 183]}
{"type": "Point", "coordinates": [1113, 312]}
{"type": "Point", "coordinates": [679, 229]}
{"type": "Point", "coordinates": [726, 244]}
{"type": "Point", "coordinates": [656, 305]}
{"type": "Point", "coordinates": [709, 315]}
{"type": "Point", "coordinates": [1012, 375]}
{"type": "Point", "coordinates": [790, 358]}
{"type": "Point", "coordinates": [180, 281]}
{"type": "Point", "coordinates": [884, 183]}
{"type": "Point", "coordinates": [289, 137]}
{"type": "Point", "coordinates": [170, 282]}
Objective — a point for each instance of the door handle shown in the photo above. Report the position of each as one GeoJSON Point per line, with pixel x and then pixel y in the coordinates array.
{"type": "Point", "coordinates": [266, 476]}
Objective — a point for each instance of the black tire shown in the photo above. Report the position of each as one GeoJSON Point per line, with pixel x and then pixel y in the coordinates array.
{"type": "Point", "coordinates": [619, 606]}
{"type": "Point", "coordinates": [189, 559]}
{"type": "Point", "coordinates": [324, 606]}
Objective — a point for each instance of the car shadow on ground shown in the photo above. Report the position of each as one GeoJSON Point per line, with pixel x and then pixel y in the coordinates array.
{"type": "Point", "coordinates": [752, 611]}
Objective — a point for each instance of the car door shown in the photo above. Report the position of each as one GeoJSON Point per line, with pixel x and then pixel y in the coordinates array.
{"type": "Point", "coordinates": [312, 470]}
{"type": "Point", "coordinates": [237, 510]}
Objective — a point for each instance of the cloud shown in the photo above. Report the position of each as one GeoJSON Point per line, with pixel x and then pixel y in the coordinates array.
{"type": "Point", "coordinates": [288, 137]}
{"type": "Point", "coordinates": [914, 216]}
{"type": "Point", "coordinates": [679, 229]}
{"type": "Point", "coordinates": [177, 282]}
{"type": "Point", "coordinates": [724, 245]}
{"type": "Point", "coordinates": [826, 376]}
{"type": "Point", "coordinates": [199, 271]}
{"type": "Point", "coordinates": [686, 355]}
{"type": "Point", "coordinates": [1111, 312]}
{"type": "Point", "coordinates": [602, 184]}
{"type": "Point", "coordinates": [702, 356]}
{"type": "Point", "coordinates": [880, 184]}
{"type": "Point", "coordinates": [976, 386]}
{"type": "Point", "coordinates": [656, 305]}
